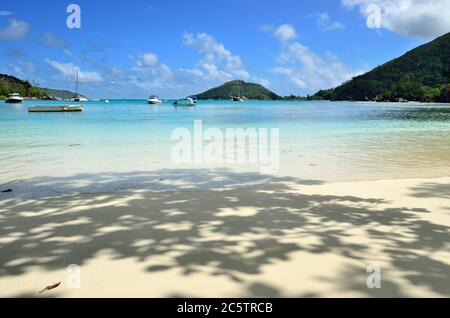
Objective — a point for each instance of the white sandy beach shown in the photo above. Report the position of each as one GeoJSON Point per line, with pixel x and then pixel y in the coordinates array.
{"type": "Point", "coordinates": [280, 237]}
{"type": "Point", "coordinates": [160, 149]}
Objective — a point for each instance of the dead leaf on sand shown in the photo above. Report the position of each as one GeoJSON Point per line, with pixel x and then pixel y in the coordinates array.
{"type": "Point", "coordinates": [50, 287]}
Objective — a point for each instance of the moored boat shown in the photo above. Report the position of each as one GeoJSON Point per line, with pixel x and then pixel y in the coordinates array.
{"type": "Point", "coordinates": [238, 97]}
{"type": "Point", "coordinates": [188, 101]}
{"type": "Point", "coordinates": [78, 97]}
{"type": "Point", "coordinates": [154, 100]}
{"type": "Point", "coordinates": [14, 99]}
{"type": "Point", "coordinates": [53, 109]}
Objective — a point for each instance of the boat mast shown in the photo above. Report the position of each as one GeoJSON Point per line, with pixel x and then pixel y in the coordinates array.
{"type": "Point", "coordinates": [76, 87]}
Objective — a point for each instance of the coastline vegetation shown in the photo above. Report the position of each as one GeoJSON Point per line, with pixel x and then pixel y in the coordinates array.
{"type": "Point", "coordinates": [10, 84]}
{"type": "Point", "coordinates": [238, 87]}
{"type": "Point", "coordinates": [422, 75]}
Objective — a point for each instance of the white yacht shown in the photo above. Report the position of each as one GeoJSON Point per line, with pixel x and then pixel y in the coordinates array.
{"type": "Point", "coordinates": [154, 100]}
{"type": "Point", "coordinates": [238, 97]}
{"type": "Point", "coordinates": [14, 99]}
{"type": "Point", "coordinates": [78, 97]}
{"type": "Point", "coordinates": [188, 101]}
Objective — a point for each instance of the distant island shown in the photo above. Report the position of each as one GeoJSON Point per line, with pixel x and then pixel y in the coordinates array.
{"type": "Point", "coordinates": [422, 75]}
{"type": "Point", "coordinates": [236, 87]}
{"type": "Point", "coordinates": [10, 84]}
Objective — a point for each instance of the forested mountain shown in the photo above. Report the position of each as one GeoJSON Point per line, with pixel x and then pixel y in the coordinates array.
{"type": "Point", "coordinates": [422, 74]}
{"type": "Point", "coordinates": [10, 84]}
{"type": "Point", "coordinates": [234, 88]}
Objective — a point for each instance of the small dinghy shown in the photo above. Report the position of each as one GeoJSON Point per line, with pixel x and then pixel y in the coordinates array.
{"type": "Point", "coordinates": [53, 109]}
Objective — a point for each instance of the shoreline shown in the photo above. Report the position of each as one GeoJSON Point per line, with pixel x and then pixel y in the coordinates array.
{"type": "Point", "coordinates": [31, 189]}
{"type": "Point", "coordinates": [281, 238]}
{"type": "Point", "coordinates": [102, 99]}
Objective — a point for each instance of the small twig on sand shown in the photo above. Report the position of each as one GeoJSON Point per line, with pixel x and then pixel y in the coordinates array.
{"type": "Point", "coordinates": [50, 287]}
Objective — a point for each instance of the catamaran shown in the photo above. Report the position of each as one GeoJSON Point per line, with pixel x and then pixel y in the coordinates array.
{"type": "Point", "coordinates": [154, 100]}
{"type": "Point", "coordinates": [78, 97]}
{"type": "Point", "coordinates": [14, 98]}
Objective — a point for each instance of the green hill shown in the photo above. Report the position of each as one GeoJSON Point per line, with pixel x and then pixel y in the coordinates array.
{"type": "Point", "coordinates": [59, 93]}
{"type": "Point", "coordinates": [10, 84]}
{"type": "Point", "coordinates": [249, 90]}
{"type": "Point", "coordinates": [422, 74]}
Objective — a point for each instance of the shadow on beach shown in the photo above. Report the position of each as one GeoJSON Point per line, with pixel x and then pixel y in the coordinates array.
{"type": "Point", "coordinates": [233, 226]}
{"type": "Point", "coordinates": [160, 180]}
{"type": "Point", "coordinates": [432, 190]}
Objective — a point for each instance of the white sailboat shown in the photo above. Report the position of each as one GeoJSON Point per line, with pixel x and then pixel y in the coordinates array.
{"type": "Point", "coordinates": [78, 97]}
{"type": "Point", "coordinates": [238, 97]}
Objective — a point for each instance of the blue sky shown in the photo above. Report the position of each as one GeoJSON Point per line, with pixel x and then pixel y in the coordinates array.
{"type": "Point", "coordinates": [174, 48]}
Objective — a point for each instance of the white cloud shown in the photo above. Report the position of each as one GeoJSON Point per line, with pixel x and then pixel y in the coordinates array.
{"type": "Point", "coordinates": [262, 81]}
{"type": "Point", "coordinates": [15, 30]}
{"type": "Point", "coordinates": [52, 40]}
{"type": "Point", "coordinates": [308, 72]}
{"type": "Point", "coordinates": [216, 62]}
{"type": "Point", "coordinates": [285, 33]}
{"type": "Point", "coordinates": [325, 22]}
{"type": "Point", "coordinates": [69, 71]}
{"type": "Point", "coordinates": [149, 65]}
{"type": "Point", "coordinates": [5, 13]}
{"type": "Point", "coordinates": [307, 69]}
{"type": "Point", "coordinates": [415, 18]}
{"type": "Point", "coordinates": [147, 73]}
{"type": "Point", "coordinates": [148, 60]}
{"type": "Point", "coordinates": [291, 74]}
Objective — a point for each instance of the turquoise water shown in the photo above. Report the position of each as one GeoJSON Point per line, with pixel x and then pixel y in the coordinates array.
{"type": "Point", "coordinates": [331, 141]}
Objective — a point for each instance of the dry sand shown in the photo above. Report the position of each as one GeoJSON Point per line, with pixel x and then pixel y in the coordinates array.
{"type": "Point", "coordinates": [280, 238]}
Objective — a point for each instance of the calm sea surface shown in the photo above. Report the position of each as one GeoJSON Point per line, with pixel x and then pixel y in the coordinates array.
{"type": "Point", "coordinates": [330, 141]}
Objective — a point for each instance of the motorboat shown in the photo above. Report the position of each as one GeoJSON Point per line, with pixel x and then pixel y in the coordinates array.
{"type": "Point", "coordinates": [14, 99]}
{"type": "Point", "coordinates": [154, 100]}
{"type": "Point", "coordinates": [188, 101]}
